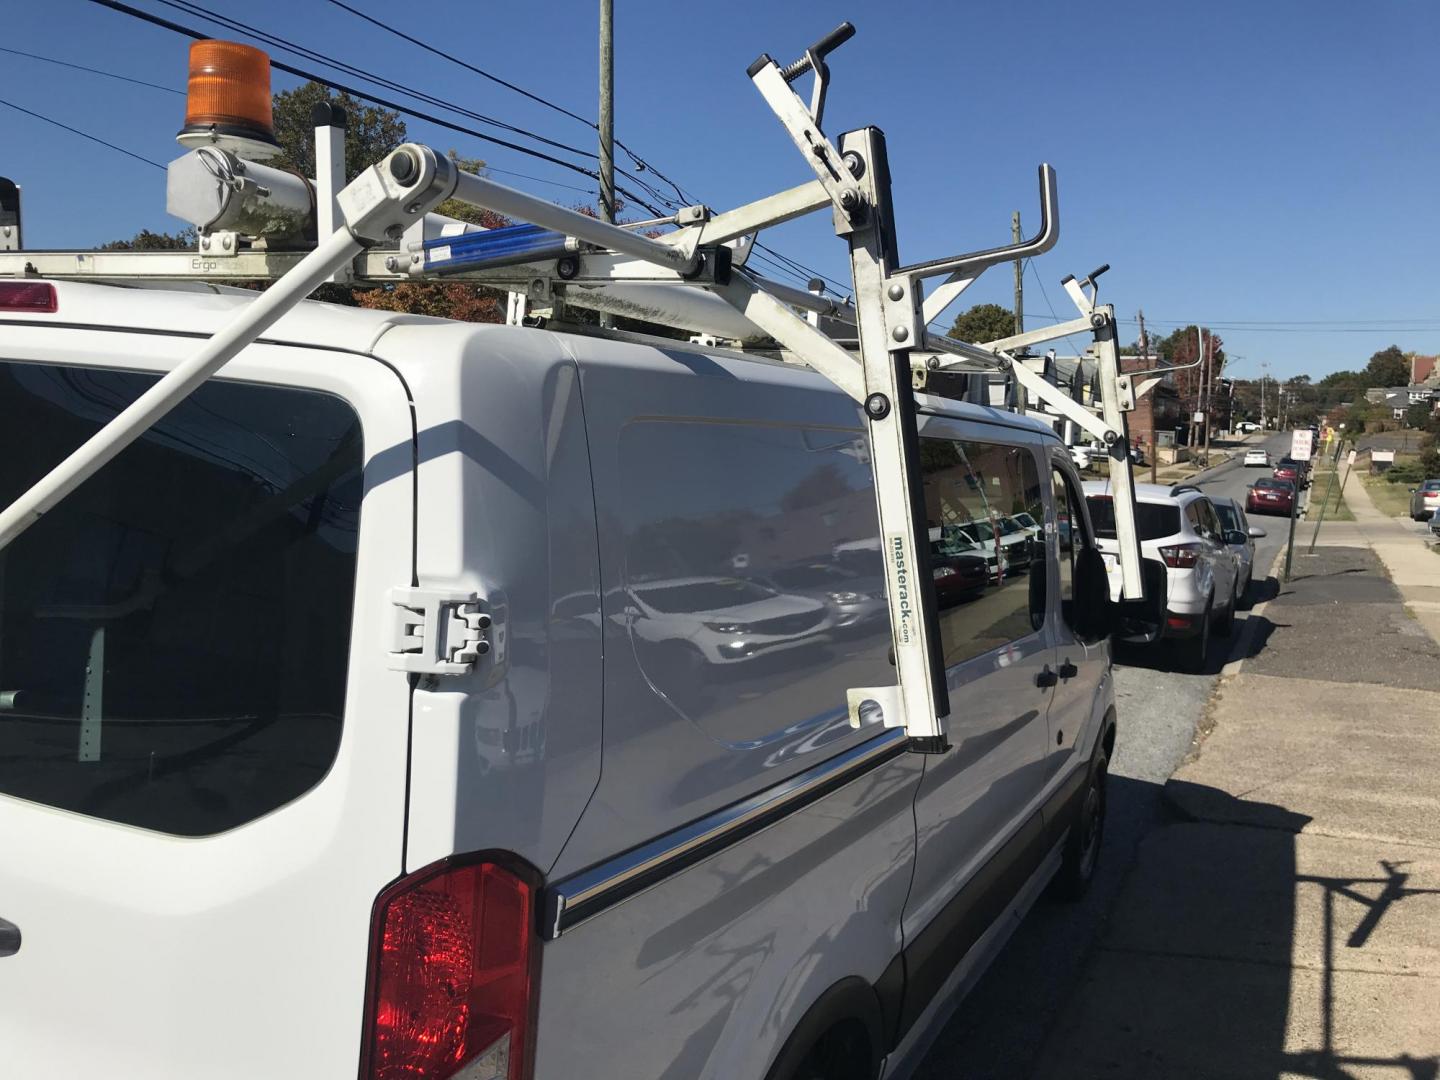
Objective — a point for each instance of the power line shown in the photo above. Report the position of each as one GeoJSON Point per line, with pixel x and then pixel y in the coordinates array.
{"type": "Point", "coordinates": [350, 69]}
{"type": "Point", "coordinates": [156, 20]}
{"type": "Point", "coordinates": [82, 134]}
{"type": "Point", "coordinates": [640, 163]}
{"type": "Point", "coordinates": [92, 71]}
{"type": "Point", "coordinates": [1030, 265]}
{"type": "Point", "coordinates": [284, 45]}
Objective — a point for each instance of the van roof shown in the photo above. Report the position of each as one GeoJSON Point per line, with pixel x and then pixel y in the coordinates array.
{"type": "Point", "coordinates": [185, 309]}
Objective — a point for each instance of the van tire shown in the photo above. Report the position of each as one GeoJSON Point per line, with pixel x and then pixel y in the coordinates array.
{"type": "Point", "coordinates": [1087, 834]}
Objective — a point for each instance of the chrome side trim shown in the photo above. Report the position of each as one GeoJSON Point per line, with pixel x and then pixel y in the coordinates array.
{"type": "Point", "coordinates": [584, 895]}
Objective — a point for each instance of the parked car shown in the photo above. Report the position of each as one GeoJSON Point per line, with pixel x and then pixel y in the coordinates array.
{"type": "Point", "coordinates": [1271, 495]}
{"type": "Point", "coordinates": [1257, 457]}
{"type": "Point", "coordinates": [1240, 535]}
{"type": "Point", "coordinates": [1245, 427]}
{"type": "Point", "coordinates": [1179, 527]}
{"type": "Point", "coordinates": [1287, 468]}
{"type": "Point", "coordinates": [1084, 455]}
{"type": "Point", "coordinates": [1290, 472]}
{"type": "Point", "coordinates": [856, 602]}
{"type": "Point", "coordinates": [1425, 500]}
{"type": "Point", "coordinates": [960, 572]}
{"type": "Point", "coordinates": [508, 843]}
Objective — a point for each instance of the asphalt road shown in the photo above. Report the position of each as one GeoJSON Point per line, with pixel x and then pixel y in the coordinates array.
{"type": "Point", "coordinates": [998, 1030]}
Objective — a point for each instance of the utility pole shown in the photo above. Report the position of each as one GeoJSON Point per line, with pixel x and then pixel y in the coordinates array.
{"type": "Point", "coordinates": [1145, 363]}
{"type": "Point", "coordinates": [1019, 277]}
{"type": "Point", "coordinates": [1210, 395]}
{"type": "Point", "coordinates": [1195, 405]}
{"type": "Point", "coordinates": [607, 110]}
{"type": "Point", "coordinates": [606, 123]}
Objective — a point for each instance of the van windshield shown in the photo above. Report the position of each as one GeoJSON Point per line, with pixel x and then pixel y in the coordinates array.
{"type": "Point", "coordinates": [1153, 521]}
{"type": "Point", "coordinates": [174, 636]}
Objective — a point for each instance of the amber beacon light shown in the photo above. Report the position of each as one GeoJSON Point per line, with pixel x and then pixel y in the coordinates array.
{"type": "Point", "coordinates": [228, 100]}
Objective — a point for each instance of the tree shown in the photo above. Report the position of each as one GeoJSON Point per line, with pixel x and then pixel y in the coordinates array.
{"type": "Point", "coordinates": [145, 240]}
{"type": "Point", "coordinates": [984, 322]}
{"type": "Point", "coordinates": [1388, 367]}
{"type": "Point", "coordinates": [370, 133]}
{"type": "Point", "coordinates": [1418, 415]}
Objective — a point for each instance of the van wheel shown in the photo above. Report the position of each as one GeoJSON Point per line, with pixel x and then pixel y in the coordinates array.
{"type": "Point", "coordinates": [1195, 651]}
{"type": "Point", "coordinates": [1087, 834]}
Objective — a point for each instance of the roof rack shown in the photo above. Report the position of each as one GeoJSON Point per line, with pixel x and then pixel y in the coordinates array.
{"type": "Point", "coordinates": [377, 229]}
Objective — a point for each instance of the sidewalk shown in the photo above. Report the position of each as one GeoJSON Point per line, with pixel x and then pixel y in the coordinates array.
{"type": "Point", "coordinates": [1414, 570]}
{"type": "Point", "coordinates": [1290, 926]}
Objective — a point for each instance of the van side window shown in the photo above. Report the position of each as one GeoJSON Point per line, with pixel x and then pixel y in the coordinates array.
{"type": "Point", "coordinates": [174, 636]}
{"type": "Point", "coordinates": [984, 511]}
{"type": "Point", "coordinates": [752, 564]}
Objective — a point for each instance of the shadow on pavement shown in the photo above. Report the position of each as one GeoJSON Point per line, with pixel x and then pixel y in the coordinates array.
{"type": "Point", "coordinates": [1228, 954]}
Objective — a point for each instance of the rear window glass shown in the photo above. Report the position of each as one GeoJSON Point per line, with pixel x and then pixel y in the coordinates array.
{"type": "Point", "coordinates": [1153, 521]}
{"type": "Point", "coordinates": [174, 635]}
{"type": "Point", "coordinates": [1277, 485]}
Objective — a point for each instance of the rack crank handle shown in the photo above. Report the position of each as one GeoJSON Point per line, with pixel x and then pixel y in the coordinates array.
{"type": "Point", "coordinates": [827, 44]}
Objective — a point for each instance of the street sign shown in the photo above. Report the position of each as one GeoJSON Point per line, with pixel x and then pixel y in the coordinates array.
{"type": "Point", "coordinates": [1302, 444]}
{"type": "Point", "coordinates": [1350, 458]}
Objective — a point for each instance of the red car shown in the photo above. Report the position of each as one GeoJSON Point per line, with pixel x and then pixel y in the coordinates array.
{"type": "Point", "coordinates": [1273, 495]}
{"type": "Point", "coordinates": [1288, 471]}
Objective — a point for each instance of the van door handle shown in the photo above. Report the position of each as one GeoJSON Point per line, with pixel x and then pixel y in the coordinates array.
{"type": "Point", "coordinates": [1068, 670]}
{"type": "Point", "coordinates": [9, 938]}
{"type": "Point", "coordinates": [1046, 678]}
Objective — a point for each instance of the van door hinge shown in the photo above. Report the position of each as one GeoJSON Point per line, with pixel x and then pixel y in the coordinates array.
{"type": "Point", "coordinates": [436, 631]}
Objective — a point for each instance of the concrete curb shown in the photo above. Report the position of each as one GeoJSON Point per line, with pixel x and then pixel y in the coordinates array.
{"type": "Point", "coordinates": [1242, 643]}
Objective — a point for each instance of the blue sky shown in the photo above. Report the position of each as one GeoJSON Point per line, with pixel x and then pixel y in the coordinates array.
{"type": "Point", "coordinates": [1235, 163]}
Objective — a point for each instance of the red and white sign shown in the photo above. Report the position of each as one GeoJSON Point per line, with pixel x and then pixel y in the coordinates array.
{"type": "Point", "coordinates": [1302, 444]}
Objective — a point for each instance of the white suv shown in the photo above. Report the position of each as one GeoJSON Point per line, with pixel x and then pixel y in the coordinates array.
{"type": "Point", "coordinates": [1179, 527]}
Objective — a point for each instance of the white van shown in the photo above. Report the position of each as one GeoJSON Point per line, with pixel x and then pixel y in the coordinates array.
{"type": "Point", "coordinates": [428, 699]}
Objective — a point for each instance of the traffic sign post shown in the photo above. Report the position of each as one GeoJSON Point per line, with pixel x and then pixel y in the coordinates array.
{"type": "Point", "coordinates": [1302, 444]}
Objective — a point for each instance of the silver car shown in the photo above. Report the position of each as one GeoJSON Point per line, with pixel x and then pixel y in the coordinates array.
{"type": "Point", "coordinates": [1425, 500]}
{"type": "Point", "coordinates": [1240, 535]}
{"type": "Point", "coordinates": [1179, 527]}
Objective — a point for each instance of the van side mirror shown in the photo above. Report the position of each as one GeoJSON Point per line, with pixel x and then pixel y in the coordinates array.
{"type": "Point", "coordinates": [1093, 612]}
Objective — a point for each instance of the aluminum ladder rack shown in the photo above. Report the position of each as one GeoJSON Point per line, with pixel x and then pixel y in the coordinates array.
{"type": "Point", "coordinates": [379, 230]}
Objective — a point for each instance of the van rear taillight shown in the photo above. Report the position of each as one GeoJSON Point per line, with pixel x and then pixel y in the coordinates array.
{"type": "Point", "coordinates": [33, 296]}
{"type": "Point", "coordinates": [1180, 556]}
{"type": "Point", "coordinates": [452, 984]}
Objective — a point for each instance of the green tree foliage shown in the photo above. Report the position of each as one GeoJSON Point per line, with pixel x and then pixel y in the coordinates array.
{"type": "Point", "coordinates": [1388, 367]}
{"type": "Point", "coordinates": [1418, 415]}
{"type": "Point", "coordinates": [984, 322]}
{"type": "Point", "coordinates": [145, 240]}
{"type": "Point", "coordinates": [371, 132]}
